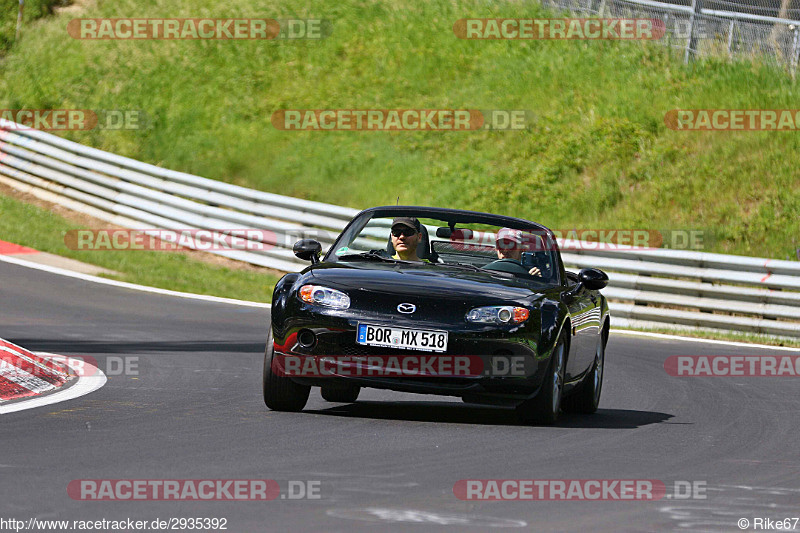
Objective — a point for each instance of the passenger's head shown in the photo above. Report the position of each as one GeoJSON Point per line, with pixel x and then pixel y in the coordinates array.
{"type": "Point", "coordinates": [509, 244]}
{"type": "Point", "coordinates": [406, 235]}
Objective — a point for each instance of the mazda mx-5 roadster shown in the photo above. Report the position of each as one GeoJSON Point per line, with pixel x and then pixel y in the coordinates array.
{"type": "Point", "coordinates": [439, 301]}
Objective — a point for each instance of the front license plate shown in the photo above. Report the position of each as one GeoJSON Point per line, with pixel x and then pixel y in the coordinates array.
{"type": "Point", "coordinates": [409, 339]}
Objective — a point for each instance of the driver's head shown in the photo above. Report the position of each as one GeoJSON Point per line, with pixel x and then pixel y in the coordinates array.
{"type": "Point", "coordinates": [406, 236]}
{"type": "Point", "coordinates": [509, 244]}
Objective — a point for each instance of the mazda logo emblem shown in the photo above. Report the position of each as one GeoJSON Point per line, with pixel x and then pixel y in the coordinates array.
{"type": "Point", "coordinates": [406, 308]}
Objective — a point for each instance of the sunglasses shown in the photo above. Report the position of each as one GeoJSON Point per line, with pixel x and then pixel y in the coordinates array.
{"type": "Point", "coordinates": [405, 232]}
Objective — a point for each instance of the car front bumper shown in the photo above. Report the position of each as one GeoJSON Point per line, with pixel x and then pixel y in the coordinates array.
{"type": "Point", "coordinates": [481, 364]}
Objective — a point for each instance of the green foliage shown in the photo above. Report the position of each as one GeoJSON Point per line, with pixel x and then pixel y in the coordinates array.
{"type": "Point", "coordinates": [596, 153]}
{"type": "Point", "coordinates": [9, 12]}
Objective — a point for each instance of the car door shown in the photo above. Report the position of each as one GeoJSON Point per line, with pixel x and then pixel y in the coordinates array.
{"type": "Point", "coordinates": [584, 310]}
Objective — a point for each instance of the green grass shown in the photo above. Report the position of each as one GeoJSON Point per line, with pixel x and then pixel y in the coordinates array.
{"type": "Point", "coordinates": [31, 226]}
{"type": "Point", "coordinates": [597, 155]}
{"type": "Point", "coordinates": [9, 12]}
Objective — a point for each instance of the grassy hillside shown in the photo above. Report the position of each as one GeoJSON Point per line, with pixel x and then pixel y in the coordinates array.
{"type": "Point", "coordinates": [9, 12]}
{"type": "Point", "coordinates": [598, 153]}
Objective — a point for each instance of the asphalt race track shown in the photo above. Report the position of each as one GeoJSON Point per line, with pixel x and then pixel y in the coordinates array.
{"type": "Point", "coordinates": [390, 461]}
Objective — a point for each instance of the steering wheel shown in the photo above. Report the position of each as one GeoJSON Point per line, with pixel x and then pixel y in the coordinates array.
{"type": "Point", "coordinates": [507, 265]}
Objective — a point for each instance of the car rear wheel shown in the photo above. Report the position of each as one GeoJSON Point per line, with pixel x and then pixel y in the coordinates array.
{"type": "Point", "coordinates": [280, 392]}
{"type": "Point", "coordinates": [546, 406]}
{"type": "Point", "coordinates": [347, 394]}
{"type": "Point", "coordinates": [587, 398]}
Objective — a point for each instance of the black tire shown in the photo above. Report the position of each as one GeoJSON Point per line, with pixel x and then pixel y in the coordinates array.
{"type": "Point", "coordinates": [280, 392]}
{"type": "Point", "coordinates": [347, 394]}
{"type": "Point", "coordinates": [587, 399]}
{"type": "Point", "coordinates": [545, 407]}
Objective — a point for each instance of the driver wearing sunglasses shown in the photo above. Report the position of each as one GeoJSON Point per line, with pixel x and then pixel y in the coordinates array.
{"type": "Point", "coordinates": [406, 236]}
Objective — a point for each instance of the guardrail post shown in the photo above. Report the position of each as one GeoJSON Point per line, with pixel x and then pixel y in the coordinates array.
{"type": "Point", "coordinates": [691, 46]}
{"type": "Point", "coordinates": [795, 50]}
{"type": "Point", "coordinates": [730, 37]}
{"type": "Point", "coordinates": [19, 20]}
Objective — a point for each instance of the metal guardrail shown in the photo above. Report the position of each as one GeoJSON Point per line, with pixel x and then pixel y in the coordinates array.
{"type": "Point", "coordinates": [660, 287]}
{"type": "Point", "coordinates": [138, 195]}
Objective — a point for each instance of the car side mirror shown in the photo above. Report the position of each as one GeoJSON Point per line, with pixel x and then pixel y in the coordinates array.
{"type": "Point", "coordinates": [593, 279]}
{"type": "Point", "coordinates": [307, 250]}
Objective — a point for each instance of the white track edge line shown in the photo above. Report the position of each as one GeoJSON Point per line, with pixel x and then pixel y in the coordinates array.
{"type": "Point", "coordinates": [85, 385]}
{"type": "Point", "coordinates": [707, 341]}
{"type": "Point", "coordinates": [133, 286]}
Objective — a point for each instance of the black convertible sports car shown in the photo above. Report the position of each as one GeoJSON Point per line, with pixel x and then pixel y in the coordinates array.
{"type": "Point", "coordinates": [439, 301]}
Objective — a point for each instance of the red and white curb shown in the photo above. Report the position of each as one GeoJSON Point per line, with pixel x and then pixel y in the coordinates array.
{"type": "Point", "coordinates": [35, 378]}
{"type": "Point", "coordinates": [9, 248]}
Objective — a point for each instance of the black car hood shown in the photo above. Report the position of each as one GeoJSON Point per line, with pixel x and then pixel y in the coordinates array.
{"type": "Point", "coordinates": [426, 281]}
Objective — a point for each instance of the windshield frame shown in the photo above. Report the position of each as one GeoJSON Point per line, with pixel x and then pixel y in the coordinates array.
{"type": "Point", "coordinates": [454, 216]}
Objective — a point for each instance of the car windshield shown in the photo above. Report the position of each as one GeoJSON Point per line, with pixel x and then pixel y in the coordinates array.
{"type": "Point", "coordinates": [463, 242]}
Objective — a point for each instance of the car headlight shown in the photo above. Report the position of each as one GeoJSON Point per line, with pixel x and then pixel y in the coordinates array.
{"type": "Point", "coordinates": [318, 295]}
{"type": "Point", "coordinates": [498, 314]}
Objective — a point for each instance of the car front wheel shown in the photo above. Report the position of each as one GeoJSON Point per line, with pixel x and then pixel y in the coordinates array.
{"type": "Point", "coordinates": [587, 398]}
{"type": "Point", "coordinates": [546, 406]}
{"type": "Point", "coordinates": [280, 392]}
